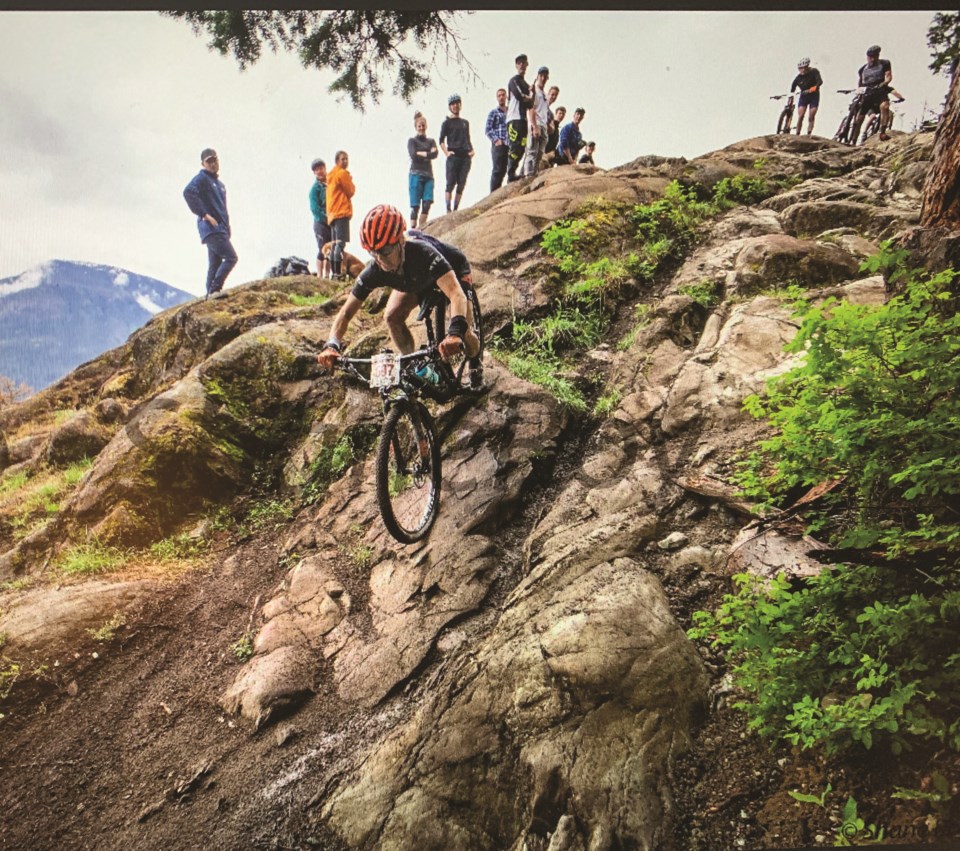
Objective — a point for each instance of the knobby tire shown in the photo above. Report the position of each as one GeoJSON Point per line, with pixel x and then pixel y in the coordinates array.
{"type": "Point", "coordinates": [408, 472]}
{"type": "Point", "coordinates": [786, 119]}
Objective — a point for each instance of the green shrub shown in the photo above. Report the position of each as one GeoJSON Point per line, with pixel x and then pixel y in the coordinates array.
{"type": "Point", "coordinates": [874, 405]}
{"type": "Point", "coordinates": [866, 651]}
{"type": "Point", "coordinates": [706, 293]}
{"type": "Point", "coordinates": [853, 656]}
{"type": "Point", "coordinates": [608, 402]}
{"type": "Point", "coordinates": [739, 189]}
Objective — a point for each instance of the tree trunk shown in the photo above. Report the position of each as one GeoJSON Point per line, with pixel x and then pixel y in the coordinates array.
{"type": "Point", "coordinates": [941, 192]}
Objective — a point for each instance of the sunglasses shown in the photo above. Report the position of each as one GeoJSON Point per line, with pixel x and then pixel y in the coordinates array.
{"type": "Point", "coordinates": [385, 253]}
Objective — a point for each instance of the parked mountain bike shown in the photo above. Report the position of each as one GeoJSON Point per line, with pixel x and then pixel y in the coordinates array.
{"type": "Point", "coordinates": [408, 465]}
{"type": "Point", "coordinates": [846, 132]}
{"type": "Point", "coordinates": [850, 125]}
{"type": "Point", "coordinates": [786, 114]}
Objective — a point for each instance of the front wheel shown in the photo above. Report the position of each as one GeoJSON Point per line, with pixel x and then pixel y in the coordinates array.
{"type": "Point", "coordinates": [843, 130]}
{"type": "Point", "coordinates": [408, 472]}
{"type": "Point", "coordinates": [873, 124]}
{"type": "Point", "coordinates": [786, 119]}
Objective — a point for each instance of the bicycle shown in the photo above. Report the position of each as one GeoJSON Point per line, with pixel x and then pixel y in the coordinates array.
{"type": "Point", "coordinates": [786, 115]}
{"type": "Point", "coordinates": [848, 122]}
{"type": "Point", "coordinates": [408, 464]}
{"type": "Point", "coordinates": [872, 125]}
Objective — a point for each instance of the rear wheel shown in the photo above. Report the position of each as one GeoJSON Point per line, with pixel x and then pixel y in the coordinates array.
{"type": "Point", "coordinates": [872, 125]}
{"type": "Point", "coordinates": [408, 472]}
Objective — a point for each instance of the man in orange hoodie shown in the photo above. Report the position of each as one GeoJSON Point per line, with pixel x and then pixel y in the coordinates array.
{"type": "Point", "coordinates": [340, 190]}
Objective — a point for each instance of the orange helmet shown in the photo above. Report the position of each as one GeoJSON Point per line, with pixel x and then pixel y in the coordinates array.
{"type": "Point", "coordinates": [382, 226]}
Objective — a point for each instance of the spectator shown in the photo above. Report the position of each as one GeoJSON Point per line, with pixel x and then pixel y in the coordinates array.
{"type": "Point", "coordinates": [318, 206]}
{"type": "Point", "coordinates": [340, 190]}
{"type": "Point", "coordinates": [520, 99]}
{"type": "Point", "coordinates": [538, 119]}
{"type": "Point", "coordinates": [571, 140]}
{"type": "Point", "coordinates": [206, 196]}
{"type": "Point", "coordinates": [423, 152]}
{"type": "Point", "coordinates": [496, 132]}
{"type": "Point", "coordinates": [455, 143]}
{"type": "Point", "coordinates": [587, 156]}
{"type": "Point", "coordinates": [809, 81]}
{"type": "Point", "coordinates": [554, 135]}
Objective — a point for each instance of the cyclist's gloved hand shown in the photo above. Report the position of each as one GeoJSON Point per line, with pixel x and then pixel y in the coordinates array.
{"type": "Point", "coordinates": [329, 356]}
{"type": "Point", "coordinates": [450, 345]}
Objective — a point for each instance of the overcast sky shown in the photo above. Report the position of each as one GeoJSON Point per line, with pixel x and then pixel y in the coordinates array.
{"type": "Point", "coordinates": [104, 115]}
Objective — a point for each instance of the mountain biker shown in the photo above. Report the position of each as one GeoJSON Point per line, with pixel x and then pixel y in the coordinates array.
{"type": "Point", "coordinates": [875, 76]}
{"type": "Point", "coordinates": [414, 265]}
{"type": "Point", "coordinates": [808, 81]}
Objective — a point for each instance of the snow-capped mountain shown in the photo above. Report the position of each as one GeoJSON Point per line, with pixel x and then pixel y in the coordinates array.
{"type": "Point", "coordinates": [62, 313]}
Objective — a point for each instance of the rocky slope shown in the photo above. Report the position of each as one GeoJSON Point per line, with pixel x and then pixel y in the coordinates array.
{"type": "Point", "coordinates": [520, 680]}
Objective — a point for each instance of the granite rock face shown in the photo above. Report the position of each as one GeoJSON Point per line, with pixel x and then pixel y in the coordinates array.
{"type": "Point", "coordinates": [522, 674]}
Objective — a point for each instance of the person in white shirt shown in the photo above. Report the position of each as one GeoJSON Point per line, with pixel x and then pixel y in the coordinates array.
{"type": "Point", "coordinates": [538, 117]}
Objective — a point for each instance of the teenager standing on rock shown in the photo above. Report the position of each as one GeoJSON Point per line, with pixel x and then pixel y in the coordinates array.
{"type": "Point", "coordinates": [496, 132]}
{"type": "Point", "coordinates": [206, 196]}
{"type": "Point", "coordinates": [423, 151]}
{"type": "Point", "coordinates": [519, 100]}
{"type": "Point", "coordinates": [455, 143]}
{"type": "Point", "coordinates": [538, 117]}
{"type": "Point", "coordinates": [340, 190]}
{"type": "Point", "coordinates": [318, 206]}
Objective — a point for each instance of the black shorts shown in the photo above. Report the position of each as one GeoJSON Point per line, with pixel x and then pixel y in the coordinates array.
{"type": "Point", "coordinates": [872, 98]}
{"type": "Point", "coordinates": [458, 167]}
{"type": "Point", "coordinates": [809, 99]}
{"type": "Point", "coordinates": [321, 230]}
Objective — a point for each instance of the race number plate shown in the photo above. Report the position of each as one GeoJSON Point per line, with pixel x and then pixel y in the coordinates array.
{"type": "Point", "coordinates": [384, 370]}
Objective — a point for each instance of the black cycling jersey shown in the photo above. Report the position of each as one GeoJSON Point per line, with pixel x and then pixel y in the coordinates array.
{"type": "Point", "coordinates": [807, 80]}
{"type": "Point", "coordinates": [872, 76]}
{"type": "Point", "coordinates": [425, 261]}
{"type": "Point", "coordinates": [453, 255]}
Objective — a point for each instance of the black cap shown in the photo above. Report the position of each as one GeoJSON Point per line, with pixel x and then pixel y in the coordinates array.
{"type": "Point", "coordinates": [206, 153]}
{"type": "Point", "coordinates": [543, 69]}
{"type": "Point", "coordinates": [521, 58]}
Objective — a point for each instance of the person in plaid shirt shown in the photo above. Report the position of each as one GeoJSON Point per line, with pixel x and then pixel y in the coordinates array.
{"type": "Point", "coordinates": [496, 132]}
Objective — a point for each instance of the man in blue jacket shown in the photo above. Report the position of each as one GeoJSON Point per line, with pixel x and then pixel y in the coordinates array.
{"type": "Point", "coordinates": [571, 139]}
{"type": "Point", "coordinates": [206, 197]}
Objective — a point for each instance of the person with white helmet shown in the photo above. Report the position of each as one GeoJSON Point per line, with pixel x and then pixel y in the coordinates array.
{"type": "Point", "coordinates": [809, 82]}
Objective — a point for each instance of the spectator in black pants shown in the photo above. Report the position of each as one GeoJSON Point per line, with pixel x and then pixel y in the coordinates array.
{"type": "Point", "coordinates": [455, 142]}
{"type": "Point", "coordinates": [206, 196]}
{"type": "Point", "coordinates": [520, 99]}
{"type": "Point", "coordinates": [496, 132]}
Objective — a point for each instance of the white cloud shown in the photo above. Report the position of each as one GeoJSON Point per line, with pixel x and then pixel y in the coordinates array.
{"type": "Point", "coordinates": [148, 303]}
{"type": "Point", "coordinates": [27, 281]}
